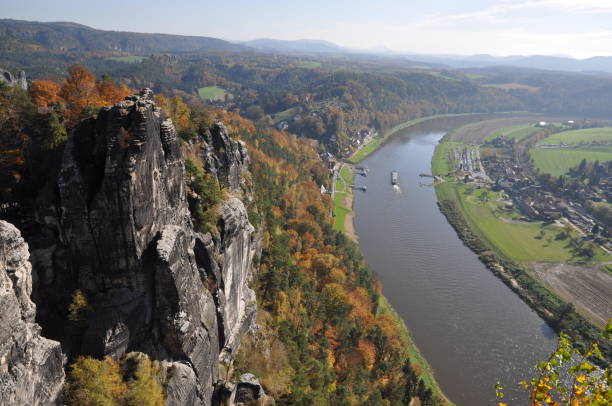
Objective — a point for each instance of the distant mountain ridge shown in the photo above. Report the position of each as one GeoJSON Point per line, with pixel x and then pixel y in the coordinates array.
{"type": "Point", "coordinates": [295, 46]}
{"type": "Point", "coordinates": [70, 36]}
{"type": "Point", "coordinates": [547, 62]}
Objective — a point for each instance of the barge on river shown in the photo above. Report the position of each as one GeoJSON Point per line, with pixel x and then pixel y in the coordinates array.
{"type": "Point", "coordinates": [394, 178]}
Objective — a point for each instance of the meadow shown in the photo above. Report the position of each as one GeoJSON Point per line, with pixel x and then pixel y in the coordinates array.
{"type": "Point", "coordinates": [309, 64]}
{"type": "Point", "coordinates": [440, 163]}
{"type": "Point", "coordinates": [501, 228]}
{"type": "Point", "coordinates": [558, 161]}
{"type": "Point", "coordinates": [587, 135]}
{"type": "Point", "coordinates": [342, 189]}
{"type": "Point", "coordinates": [212, 93]}
{"type": "Point", "coordinates": [518, 132]}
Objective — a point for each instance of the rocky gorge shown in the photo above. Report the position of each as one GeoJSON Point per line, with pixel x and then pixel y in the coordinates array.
{"type": "Point", "coordinates": [117, 228]}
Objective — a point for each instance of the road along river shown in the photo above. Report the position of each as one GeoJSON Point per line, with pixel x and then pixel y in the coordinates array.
{"type": "Point", "coordinates": [471, 328]}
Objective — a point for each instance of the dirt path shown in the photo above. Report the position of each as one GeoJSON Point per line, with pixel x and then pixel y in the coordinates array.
{"type": "Point", "coordinates": [349, 225]}
{"type": "Point", "coordinates": [587, 288]}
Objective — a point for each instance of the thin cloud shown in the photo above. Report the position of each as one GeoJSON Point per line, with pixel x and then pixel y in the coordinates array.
{"type": "Point", "coordinates": [497, 12]}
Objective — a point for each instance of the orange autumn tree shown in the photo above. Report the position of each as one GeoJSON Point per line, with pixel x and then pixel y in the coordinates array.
{"type": "Point", "coordinates": [109, 93]}
{"type": "Point", "coordinates": [44, 93]}
{"type": "Point", "coordinates": [79, 91]}
{"type": "Point", "coordinates": [176, 109]}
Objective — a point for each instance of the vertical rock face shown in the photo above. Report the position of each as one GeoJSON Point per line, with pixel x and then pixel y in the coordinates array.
{"type": "Point", "coordinates": [154, 284]}
{"type": "Point", "coordinates": [31, 367]}
{"type": "Point", "coordinates": [8, 78]}
{"type": "Point", "coordinates": [225, 158]}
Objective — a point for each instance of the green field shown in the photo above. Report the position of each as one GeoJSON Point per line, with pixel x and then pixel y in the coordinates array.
{"type": "Point", "coordinates": [345, 178]}
{"type": "Point", "coordinates": [558, 161]}
{"type": "Point", "coordinates": [127, 59]}
{"type": "Point", "coordinates": [285, 115]}
{"type": "Point", "coordinates": [587, 135]}
{"type": "Point", "coordinates": [440, 162]}
{"type": "Point", "coordinates": [212, 93]}
{"type": "Point", "coordinates": [518, 132]}
{"type": "Point", "coordinates": [474, 76]}
{"type": "Point", "coordinates": [512, 239]}
{"type": "Point", "coordinates": [309, 64]}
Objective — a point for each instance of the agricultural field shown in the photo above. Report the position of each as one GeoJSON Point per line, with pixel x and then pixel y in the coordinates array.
{"type": "Point", "coordinates": [213, 93]}
{"type": "Point", "coordinates": [309, 65]}
{"type": "Point", "coordinates": [474, 76]}
{"type": "Point", "coordinates": [127, 59]}
{"type": "Point", "coordinates": [587, 136]}
{"type": "Point", "coordinates": [558, 161]}
{"type": "Point", "coordinates": [587, 288]}
{"type": "Point", "coordinates": [513, 86]}
{"type": "Point", "coordinates": [501, 228]}
{"type": "Point", "coordinates": [477, 133]}
{"type": "Point", "coordinates": [518, 132]}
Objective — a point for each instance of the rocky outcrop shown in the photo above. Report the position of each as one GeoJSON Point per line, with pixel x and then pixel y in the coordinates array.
{"type": "Point", "coordinates": [154, 285]}
{"type": "Point", "coordinates": [31, 367]}
{"type": "Point", "coordinates": [246, 391]}
{"type": "Point", "coordinates": [224, 158]}
{"type": "Point", "coordinates": [19, 81]}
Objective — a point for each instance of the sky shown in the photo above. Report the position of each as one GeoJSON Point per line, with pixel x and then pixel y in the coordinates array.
{"type": "Point", "coordinates": [579, 28]}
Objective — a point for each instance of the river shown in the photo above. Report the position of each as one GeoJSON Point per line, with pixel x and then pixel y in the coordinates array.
{"type": "Point", "coordinates": [471, 327]}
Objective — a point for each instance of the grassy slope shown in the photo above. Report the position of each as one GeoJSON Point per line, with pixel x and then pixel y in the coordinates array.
{"type": "Point", "coordinates": [521, 242]}
{"type": "Point", "coordinates": [517, 132]}
{"type": "Point", "coordinates": [285, 114]}
{"type": "Point", "coordinates": [346, 178]}
{"type": "Point", "coordinates": [558, 161]}
{"type": "Point", "coordinates": [440, 163]}
{"type": "Point", "coordinates": [212, 93]}
{"type": "Point", "coordinates": [577, 136]}
{"type": "Point", "coordinates": [309, 64]}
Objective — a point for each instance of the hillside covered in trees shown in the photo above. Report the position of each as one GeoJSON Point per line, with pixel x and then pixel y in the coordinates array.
{"type": "Point", "coordinates": [328, 97]}
{"type": "Point", "coordinates": [320, 312]}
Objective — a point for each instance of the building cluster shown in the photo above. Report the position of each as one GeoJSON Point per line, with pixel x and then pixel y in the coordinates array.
{"type": "Point", "coordinates": [467, 162]}
{"type": "Point", "coordinates": [536, 202]}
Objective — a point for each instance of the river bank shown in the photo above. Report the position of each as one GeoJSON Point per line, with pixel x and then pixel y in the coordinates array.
{"type": "Point", "coordinates": [470, 327]}
{"type": "Point", "coordinates": [343, 193]}
{"type": "Point", "coordinates": [511, 261]}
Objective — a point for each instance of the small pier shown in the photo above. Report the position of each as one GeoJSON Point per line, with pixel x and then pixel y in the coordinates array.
{"type": "Point", "coordinates": [425, 175]}
{"type": "Point", "coordinates": [362, 170]}
{"type": "Point", "coordinates": [362, 188]}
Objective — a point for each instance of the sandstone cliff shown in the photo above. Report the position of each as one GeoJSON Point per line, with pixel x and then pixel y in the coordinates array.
{"type": "Point", "coordinates": [31, 367]}
{"type": "Point", "coordinates": [8, 78]}
{"type": "Point", "coordinates": [122, 233]}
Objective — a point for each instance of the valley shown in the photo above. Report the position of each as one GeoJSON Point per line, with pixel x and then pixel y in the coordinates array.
{"type": "Point", "coordinates": [188, 220]}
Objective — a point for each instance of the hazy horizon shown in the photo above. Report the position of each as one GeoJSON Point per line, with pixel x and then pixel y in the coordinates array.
{"type": "Point", "coordinates": [576, 28]}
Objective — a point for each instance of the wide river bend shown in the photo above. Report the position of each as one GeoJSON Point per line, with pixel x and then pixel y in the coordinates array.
{"type": "Point", "coordinates": [471, 327]}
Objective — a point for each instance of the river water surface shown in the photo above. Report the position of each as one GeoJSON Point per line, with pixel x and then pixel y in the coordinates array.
{"type": "Point", "coordinates": [471, 327]}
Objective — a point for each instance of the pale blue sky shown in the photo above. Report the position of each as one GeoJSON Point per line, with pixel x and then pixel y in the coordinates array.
{"type": "Point", "coordinates": [581, 28]}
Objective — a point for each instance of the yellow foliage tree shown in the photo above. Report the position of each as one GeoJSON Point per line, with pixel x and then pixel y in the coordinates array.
{"type": "Point", "coordinates": [145, 389]}
{"type": "Point", "coordinates": [95, 383]}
